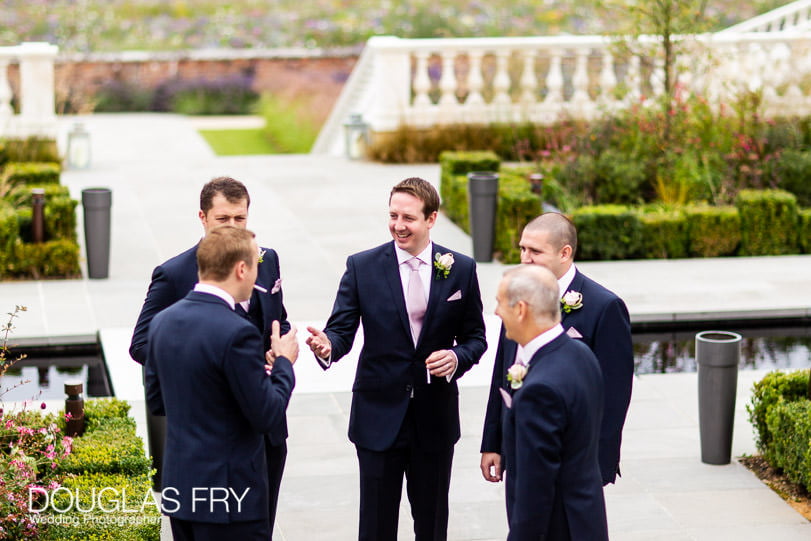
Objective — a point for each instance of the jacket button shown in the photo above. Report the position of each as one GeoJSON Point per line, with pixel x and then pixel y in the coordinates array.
{"type": "Point", "coordinates": [408, 388]}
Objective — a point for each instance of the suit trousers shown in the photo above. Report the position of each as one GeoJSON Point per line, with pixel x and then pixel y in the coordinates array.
{"type": "Point", "coordinates": [428, 474]}
{"type": "Point", "coordinates": [276, 457]}
{"type": "Point", "coordinates": [187, 530]}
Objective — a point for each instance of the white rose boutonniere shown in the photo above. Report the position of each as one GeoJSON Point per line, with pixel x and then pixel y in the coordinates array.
{"type": "Point", "coordinates": [443, 264]}
{"type": "Point", "coordinates": [572, 300]}
{"type": "Point", "coordinates": [262, 255]}
{"type": "Point", "coordinates": [516, 374]}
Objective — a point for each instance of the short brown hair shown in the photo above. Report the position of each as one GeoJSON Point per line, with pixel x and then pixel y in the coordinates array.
{"type": "Point", "coordinates": [560, 228]}
{"type": "Point", "coordinates": [233, 191]}
{"type": "Point", "coordinates": [221, 249]}
{"type": "Point", "coordinates": [422, 190]}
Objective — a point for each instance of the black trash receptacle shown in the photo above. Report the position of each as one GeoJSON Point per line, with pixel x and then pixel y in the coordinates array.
{"type": "Point", "coordinates": [482, 187]}
{"type": "Point", "coordinates": [717, 357]}
{"type": "Point", "coordinates": [97, 203]}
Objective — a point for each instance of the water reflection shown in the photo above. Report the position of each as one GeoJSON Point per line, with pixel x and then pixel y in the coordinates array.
{"type": "Point", "coordinates": [783, 348]}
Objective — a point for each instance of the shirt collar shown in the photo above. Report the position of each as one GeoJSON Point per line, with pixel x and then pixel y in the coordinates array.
{"type": "Point", "coordinates": [566, 280]}
{"type": "Point", "coordinates": [531, 348]}
{"type": "Point", "coordinates": [216, 291]}
{"type": "Point", "coordinates": [424, 256]}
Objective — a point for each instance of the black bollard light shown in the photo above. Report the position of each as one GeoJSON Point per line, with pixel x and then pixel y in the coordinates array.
{"type": "Point", "coordinates": [717, 355]}
{"type": "Point", "coordinates": [38, 215]}
{"type": "Point", "coordinates": [97, 203]}
{"type": "Point", "coordinates": [74, 405]}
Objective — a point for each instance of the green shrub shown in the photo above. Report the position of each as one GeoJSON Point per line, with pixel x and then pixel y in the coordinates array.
{"type": "Point", "coordinates": [793, 173]}
{"type": "Point", "coordinates": [19, 173]}
{"type": "Point", "coordinates": [517, 205]}
{"type": "Point", "coordinates": [804, 230]}
{"type": "Point", "coordinates": [580, 176]}
{"type": "Point", "coordinates": [108, 449]}
{"type": "Point", "coordinates": [607, 232]}
{"type": "Point", "coordinates": [790, 424]}
{"type": "Point", "coordinates": [454, 167]}
{"type": "Point", "coordinates": [713, 231]}
{"type": "Point", "coordinates": [21, 195]}
{"type": "Point", "coordinates": [55, 258]}
{"type": "Point", "coordinates": [100, 410]}
{"type": "Point", "coordinates": [9, 231]}
{"type": "Point", "coordinates": [620, 178]}
{"type": "Point", "coordinates": [768, 222]}
{"type": "Point", "coordinates": [664, 234]}
{"type": "Point", "coordinates": [289, 125]}
{"type": "Point", "coordinates": [775, 388]}
{"type": "Point", "coordinates": [31, 149]}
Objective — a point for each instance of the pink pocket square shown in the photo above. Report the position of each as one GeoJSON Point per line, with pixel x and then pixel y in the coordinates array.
{"type": "Point", "coordinates": [277, 286]}
{"type": "Point", "coordinates": [456, 296]}
{"type": "Point", "coordinates": [574, 333]}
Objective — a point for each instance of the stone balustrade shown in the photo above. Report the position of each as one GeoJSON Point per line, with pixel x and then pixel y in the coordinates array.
{"type": "Point", "coordinates": [427, 82]}
{"type": "Point", "coordinates": [34, 82]}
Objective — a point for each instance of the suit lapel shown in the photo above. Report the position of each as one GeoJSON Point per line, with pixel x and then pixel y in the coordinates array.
{"type": "Point", "coordinates": [391, 273]}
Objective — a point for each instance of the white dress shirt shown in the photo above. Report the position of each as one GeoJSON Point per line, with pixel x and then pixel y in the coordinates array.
{"type": "Point", "coordinates": [217, 292]}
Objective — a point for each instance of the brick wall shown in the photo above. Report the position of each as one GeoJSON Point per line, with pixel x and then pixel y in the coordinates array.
{"type": "Point", "coordinates": [321, 76]}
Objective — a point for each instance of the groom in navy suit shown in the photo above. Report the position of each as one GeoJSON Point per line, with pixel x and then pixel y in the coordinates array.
{"type": "Point", "coordinates": [421, 311]}
{"type": "Point", "coordinates": [223, 200]}
{"type": "Point", "coordinates": [206, 372]}
{"type": "Point", "coordinates": [553, 408]}
{"type": "Point", "coordinates": [591, 314]}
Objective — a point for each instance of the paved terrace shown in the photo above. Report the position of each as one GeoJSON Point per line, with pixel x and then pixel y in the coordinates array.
{"type": "Point", "coordinates": [317, 210]}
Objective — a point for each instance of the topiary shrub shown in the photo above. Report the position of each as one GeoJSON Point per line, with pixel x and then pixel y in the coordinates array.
{"type": "Point", "coordinates": [454, 167]}
{"type": "Point", "coordinates": [517, 205]}
{"type": "Point", "coordinates": [55, 258]}
{"type": "Point", "coordinates": [607, 232]}
{"type": "Point", "coordinates": [804, 231]}
{"type": "Point", "coordinates": [775, 388]}
{"type": "Point", "coordinates": [109, 449]}
{"type": "Point", "coordinates": [793, 173]}
{"type": "Point", "coordinates": [664, 234]}
{"type": "Point", "coordinates": [768, 222]}
{"type": "Point", "coordinates": [18, 173]}
{"type": "Point", "coordinates": [712, 231]}
{"type": "Point", "coordinates": [790, 425]}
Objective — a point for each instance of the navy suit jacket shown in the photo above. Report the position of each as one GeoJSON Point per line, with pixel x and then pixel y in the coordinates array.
{"type": "Point", "coordinates": [390, 367]}
{"type": "Point", "coordinates": [172, 280]}
{"type": "Point", "coordinates": [551, 436]}
{"type": "Point", "coordinates": [605, 326]}
{"type": "Point", "coordinates": [205, 371]}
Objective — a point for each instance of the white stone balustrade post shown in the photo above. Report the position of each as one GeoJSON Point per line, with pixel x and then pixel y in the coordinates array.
{"type": "Point", "coordinates": [608, 79]}
{"type": "Point", "coordinates": [554, 79]}
{"type": "Point", "coordinates": [529, 82]}
{"type": "Point", "coordinates": [501, 81]}
{"type": "Point", "coordinates": [37, 102]}
{"type": "Point", "coordinates": [5, 92]}
{"type": "Point", "coordinates": [580, 79]}
{"type": "Point", "coordinates": [390, 93]}
{"type": "Point", "coordinates": [422, 81]}
{"type": "Point", "coordinates": [475, 81]}
{"type": "Point", "coordinates": [447, 81]}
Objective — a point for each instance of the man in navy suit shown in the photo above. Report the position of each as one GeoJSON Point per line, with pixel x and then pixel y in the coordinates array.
{"type": "Point", "coordinates": [552, 419]}
{"type": "Point", "coordinates": [223, 200]}
{"type": "Point", "coordinates": [421, 311]}
{"type": "Point", "coordinates": [591, 314]}
{"type": "Point", "coordinates": [206, 372]}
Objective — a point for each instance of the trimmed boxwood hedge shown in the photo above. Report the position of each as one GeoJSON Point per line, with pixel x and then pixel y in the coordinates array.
{"type": "Point", "coordinates": [109, 455]}
{"type": "Point", "coordinates": [58, 256]}
{"type": "Point", "coordinates": [712, 231]}
{"type": "Point", "coordinates": [775, 388]}
{"type": "Point", "coordinates": [768, 222]}
{"type": "Point", "coordinates": [764, 222]}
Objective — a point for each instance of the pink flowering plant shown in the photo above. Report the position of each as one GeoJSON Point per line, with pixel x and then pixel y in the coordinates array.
{"type": "Point", "coordinates": [31, 448]}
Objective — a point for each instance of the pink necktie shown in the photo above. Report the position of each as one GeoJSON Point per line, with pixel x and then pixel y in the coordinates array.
{"type": "Point", "coordinates": [415, 298]}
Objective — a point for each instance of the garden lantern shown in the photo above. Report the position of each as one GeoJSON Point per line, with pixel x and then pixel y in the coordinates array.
{"type": "Point", "coordinates": [356, 136]}
{"type": "Point", "coordinates": [78, 147]}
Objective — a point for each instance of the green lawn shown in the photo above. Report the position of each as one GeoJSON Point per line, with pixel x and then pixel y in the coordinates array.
{"type": "Point", "coordinates": [239, 142]}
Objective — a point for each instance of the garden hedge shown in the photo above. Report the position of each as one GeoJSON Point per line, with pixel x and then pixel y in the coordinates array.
{"type": "Point", "coordinates": [790, 423]}
{"type": "Point", "coordinates": [804, 230]}
{"type": "Point", "coordinates": [454, 167]}
{"type": "Point", "coordinates": [58, 255]}
{"type": "Point", "coordinates": [768, 222]}
{"type": "Point", "coordinates": [664, 234]}
{"type": "Point", "coordinates": [608, 232]}
{"type": "Point", "coordinates": [109, 455]}
{"type": "Point", "coordinates": [774, 389]}
{"type": "Point", "coordinates": [712, 231]}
